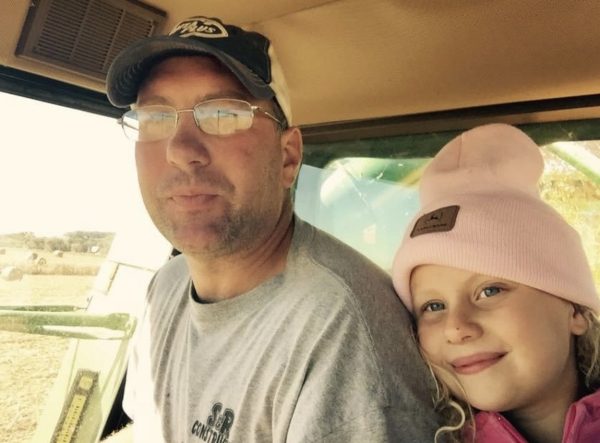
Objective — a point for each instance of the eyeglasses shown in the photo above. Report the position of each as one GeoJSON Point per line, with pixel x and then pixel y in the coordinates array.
{"type": "Point", "coordinates": [223, 116]}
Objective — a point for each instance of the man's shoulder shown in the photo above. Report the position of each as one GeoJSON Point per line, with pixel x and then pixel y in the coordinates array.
{"type": "Point", "coordinates": [340, 261]}
{"type": "Point", "coordinates": [333, 276]}
{"type": "Point", "coordinates": [176, 267]}
{"type": "Point", "coordinates": [172, 274]}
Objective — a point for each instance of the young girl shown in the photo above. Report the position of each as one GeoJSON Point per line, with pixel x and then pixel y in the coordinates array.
{"type": "Point", "coordinates": [502, 295]}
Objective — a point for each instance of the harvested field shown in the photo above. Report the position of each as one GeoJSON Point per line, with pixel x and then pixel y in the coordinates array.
{"type": "Point", "coordinates": [29, 363]}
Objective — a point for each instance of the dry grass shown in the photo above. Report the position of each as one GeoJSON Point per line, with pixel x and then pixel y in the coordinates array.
{"type": "Point", "coordinates": [71, 263]}
{"type": "Point", "coordinates": [29, 363]}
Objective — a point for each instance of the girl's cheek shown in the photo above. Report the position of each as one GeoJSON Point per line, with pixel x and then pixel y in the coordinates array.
{"type": "Point", "coordinates": [450, 380]}
{"type": "Point", "coordinates": [429, 339]}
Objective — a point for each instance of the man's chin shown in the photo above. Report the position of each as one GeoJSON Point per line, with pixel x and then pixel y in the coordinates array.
{"type": "Point", "coordinates": [203, 241]}
{"type": "Point", "coordinates": [200, 242]}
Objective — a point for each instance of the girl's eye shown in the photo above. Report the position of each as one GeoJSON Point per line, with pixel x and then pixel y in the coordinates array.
{"type": "Point", "coordinates": [433, 306]}
{"type": "Point", "coordinates": [490, 291]}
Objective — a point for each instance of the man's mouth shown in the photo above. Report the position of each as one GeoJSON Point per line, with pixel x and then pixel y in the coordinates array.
{"type": "Point", "coordinates": [192, 201]}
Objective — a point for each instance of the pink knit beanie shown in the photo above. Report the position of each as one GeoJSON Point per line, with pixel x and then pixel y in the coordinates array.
{"type": "Point", "coordinates": [481, 211]}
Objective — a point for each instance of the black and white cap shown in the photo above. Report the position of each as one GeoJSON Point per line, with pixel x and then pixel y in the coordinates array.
{"type": "Point", "coordinates": [249, 56]}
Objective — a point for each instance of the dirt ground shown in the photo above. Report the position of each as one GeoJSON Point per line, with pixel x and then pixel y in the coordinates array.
{"type": "Point", "coordinates": [29, 363]}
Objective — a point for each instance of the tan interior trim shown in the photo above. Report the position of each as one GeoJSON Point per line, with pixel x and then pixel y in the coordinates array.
{"type": "Point", "coordinates": [540, 111]}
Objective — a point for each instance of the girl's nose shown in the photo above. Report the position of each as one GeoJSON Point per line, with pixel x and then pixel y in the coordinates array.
{"type": "Point", "coordinates": [461, 326]}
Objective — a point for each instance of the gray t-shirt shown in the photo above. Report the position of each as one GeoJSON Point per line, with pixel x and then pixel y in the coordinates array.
{"type": "Point", "coordinates": [320, 353]}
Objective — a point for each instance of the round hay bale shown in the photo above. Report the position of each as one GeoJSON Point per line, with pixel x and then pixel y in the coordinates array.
{"type": "Point", "coordinates": [11, 273]}
{"type": "Point", "coordinates": [57, 253]}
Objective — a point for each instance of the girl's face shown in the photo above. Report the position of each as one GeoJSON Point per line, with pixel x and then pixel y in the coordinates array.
{"type": "Point", "coordinates": [509, 346]}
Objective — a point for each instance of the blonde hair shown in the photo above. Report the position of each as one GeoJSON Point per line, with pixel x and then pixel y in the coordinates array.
{"type": "Point", "coordinates": [587, 348]}
{"type": "Point", "coordinates": [456, 413]}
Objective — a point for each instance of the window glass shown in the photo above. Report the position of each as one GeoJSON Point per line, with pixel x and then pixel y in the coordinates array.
{"type": "Point", "coordinates": [367, 202]}
{"type": "Point", "coordinates": [571, 184]}
{"type": "Point", "coordinates": [69, 203]}
{"type": "Point", "coordinates": [77, 249]}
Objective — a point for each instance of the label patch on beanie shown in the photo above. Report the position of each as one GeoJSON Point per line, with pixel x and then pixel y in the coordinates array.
{"type": "Point", "coordinates": [440, 220]}
{"type": "Point", "coordinates": [200, 27]}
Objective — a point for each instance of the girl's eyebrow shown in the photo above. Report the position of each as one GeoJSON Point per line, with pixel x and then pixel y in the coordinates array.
{"type": "Point", "coordinates": [424, 295]}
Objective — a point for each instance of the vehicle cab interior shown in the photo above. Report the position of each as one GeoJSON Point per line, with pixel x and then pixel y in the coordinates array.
{"type": "Point", "coordinates": [377, 88]}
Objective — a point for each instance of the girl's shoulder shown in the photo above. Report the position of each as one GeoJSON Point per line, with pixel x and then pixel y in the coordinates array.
{"type": "Point", "coordinates": [492, 427]}
{"type": "Point", "coordinates": [582, 423]}
{"type": "Point", "coordinates": [590, 400]}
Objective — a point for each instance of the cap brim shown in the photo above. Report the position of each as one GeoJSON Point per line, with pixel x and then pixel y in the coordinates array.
{"type": "Point", "coordinates": [131, 66]}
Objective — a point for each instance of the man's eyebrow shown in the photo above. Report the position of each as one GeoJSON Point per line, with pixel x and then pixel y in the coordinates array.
{"type": "Point", "coordinates": [233, 93]}
{"type": "Point", "coordinates": [160, 100]}
{"type": "Point", "coordinates": [151, 100]}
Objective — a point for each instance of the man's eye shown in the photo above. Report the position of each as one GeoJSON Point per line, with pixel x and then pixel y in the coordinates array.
{"type": "Point", "coordinates": [227, 113]}
{"type": "Point", "coordinates": [490, 291]}
{"type": "Point", "coordinates": [153, 117]}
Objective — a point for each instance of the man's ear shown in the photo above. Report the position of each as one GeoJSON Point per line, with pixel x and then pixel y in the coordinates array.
{"type": "Point", "coordinates": [291, 145]}
{"type": "Point", "coordinates": [579, 322]}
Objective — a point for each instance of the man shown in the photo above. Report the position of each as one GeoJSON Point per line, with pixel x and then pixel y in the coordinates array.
{"type": "Point", "coordinates": [264, 328]}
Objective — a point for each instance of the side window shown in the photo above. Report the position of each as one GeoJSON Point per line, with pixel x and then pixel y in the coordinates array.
{"type": "Point", "coordinates": [73, 231]}
{"type": "Point", "coordinates": [571, 184]}
{"type": "Point", "coordinates": [367, 202]}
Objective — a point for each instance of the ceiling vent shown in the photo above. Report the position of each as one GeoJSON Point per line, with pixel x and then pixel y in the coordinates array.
{"type": "Point", "coordinates": [84, 36]}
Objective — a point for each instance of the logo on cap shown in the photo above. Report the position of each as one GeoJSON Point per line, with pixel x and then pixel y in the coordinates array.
{"type": "Point", "coordinates": [200, 27]}
{"type": "Point", "coordinates": [440, 220]}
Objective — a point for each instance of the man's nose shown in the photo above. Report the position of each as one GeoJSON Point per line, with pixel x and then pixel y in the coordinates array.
{"type": "Point", "coordinates": [187, 148]}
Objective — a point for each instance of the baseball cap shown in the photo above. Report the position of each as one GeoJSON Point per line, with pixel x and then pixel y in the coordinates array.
{"type": "Point", "coordinates": [248, 55]}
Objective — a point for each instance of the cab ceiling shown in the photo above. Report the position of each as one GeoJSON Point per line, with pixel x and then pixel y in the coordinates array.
{"type": "Point", "coordinates": [355, 59]}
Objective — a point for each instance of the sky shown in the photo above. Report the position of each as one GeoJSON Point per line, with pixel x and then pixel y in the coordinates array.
{"type": "Point", "coordinates": [63, 170]}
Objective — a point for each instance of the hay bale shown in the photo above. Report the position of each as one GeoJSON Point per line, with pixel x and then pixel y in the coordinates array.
{"type": "Point", "coordinates": [11, 273]}
{"type": "Point", "coordinates": [57, 253]}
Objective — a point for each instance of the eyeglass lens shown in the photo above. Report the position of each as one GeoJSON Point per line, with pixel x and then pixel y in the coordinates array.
{"type": "Point", "coordinates": [223, 117]}
{"type": "Point", "coordinates": [215, 117]}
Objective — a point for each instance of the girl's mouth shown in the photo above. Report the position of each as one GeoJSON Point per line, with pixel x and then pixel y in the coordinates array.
{"type": "Point", "coordinates": [475, 363]}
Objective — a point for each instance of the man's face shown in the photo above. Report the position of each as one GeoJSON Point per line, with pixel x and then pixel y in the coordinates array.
{"type": "Point", "coordinates": [211, 195]}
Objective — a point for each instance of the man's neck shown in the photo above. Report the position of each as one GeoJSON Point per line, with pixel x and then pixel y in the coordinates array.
{"type": "Point", "coordinates": [217, 279]}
